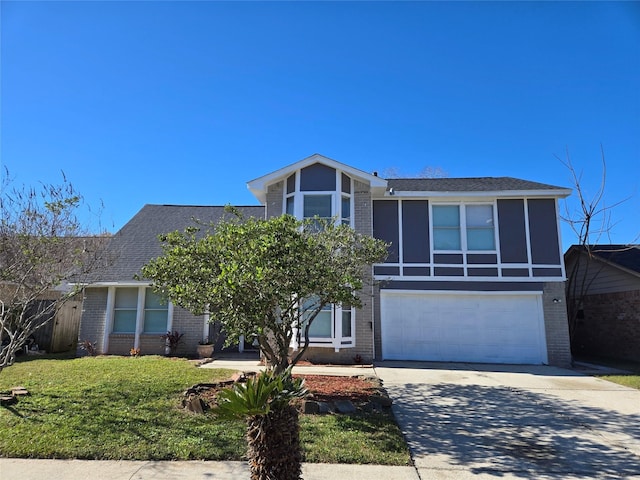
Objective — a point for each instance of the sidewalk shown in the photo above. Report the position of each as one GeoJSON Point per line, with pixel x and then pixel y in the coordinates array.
{"type": "Point", "coordinates": [253, 365]}
{"type": "Point", "coordinates": [30, 469]}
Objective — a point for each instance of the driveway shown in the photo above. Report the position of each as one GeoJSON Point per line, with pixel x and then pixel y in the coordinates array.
{"type": "Point", "coordinates": [494, 421]}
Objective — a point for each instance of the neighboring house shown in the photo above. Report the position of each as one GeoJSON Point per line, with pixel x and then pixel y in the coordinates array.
{"type": "Point", "coordinates": [608, 310]}
{"type": "Point", "coordinates": [475, 271]}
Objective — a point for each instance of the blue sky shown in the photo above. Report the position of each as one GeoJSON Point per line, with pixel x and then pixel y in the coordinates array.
{"type": "Point", "coordinates": [184, 102]}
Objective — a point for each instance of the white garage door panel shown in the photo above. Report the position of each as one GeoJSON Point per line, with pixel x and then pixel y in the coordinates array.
{"type": "Point", "coordinates": [463, 327]}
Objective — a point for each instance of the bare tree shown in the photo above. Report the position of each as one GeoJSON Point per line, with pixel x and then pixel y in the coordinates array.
{"type": "Point", "coordinates": [590, 219]}
{"type": "Point", "coordinates": [42, 244]}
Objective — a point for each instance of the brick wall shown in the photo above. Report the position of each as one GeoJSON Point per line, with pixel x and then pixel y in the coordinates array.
{"type": "Point", "coordinates": [191, 326]}
{"type": "Point", "coordinates": [93, 316]}
{"type": "Point", "coordinates": [556, 324]}
{"type": "Point", "coordinates": [274, 200]}
{"type": "Point", "coordinates": [611, 326]}
{"type": "Point", "coordinates": [121, 343]}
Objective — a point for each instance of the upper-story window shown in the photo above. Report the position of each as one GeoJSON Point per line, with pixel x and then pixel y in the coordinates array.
{"type": "Point", "coordinates": [319, 191]}
{"type": "Point", "coordinates": [463, 227]}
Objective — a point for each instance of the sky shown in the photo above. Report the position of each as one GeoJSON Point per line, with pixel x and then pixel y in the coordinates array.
{"type": "Point", "coordinates": [185, 102]}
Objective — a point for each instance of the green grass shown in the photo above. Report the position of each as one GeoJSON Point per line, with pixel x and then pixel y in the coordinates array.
{"type": "Point", "coordinates": [631, 379]}
{"type": "Point", "coordinates": [129, 408]}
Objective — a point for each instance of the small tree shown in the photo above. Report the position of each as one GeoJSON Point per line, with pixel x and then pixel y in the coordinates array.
{"type": "Point", "coordinates": [41, 245]}
{"type": "Point", "coordinates": [257, 275]}
{"type": "Point", "coordinates": [273, 428]}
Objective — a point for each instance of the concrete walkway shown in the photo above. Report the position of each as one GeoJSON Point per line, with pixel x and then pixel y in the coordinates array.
{"type": "Point", "coordinates": [28, 469]}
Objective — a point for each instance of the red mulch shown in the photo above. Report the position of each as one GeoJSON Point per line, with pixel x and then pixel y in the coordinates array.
{"type": "Point", "coordinates": [325, 388]}
{"type": "Point", "coordinates": [329, 387]}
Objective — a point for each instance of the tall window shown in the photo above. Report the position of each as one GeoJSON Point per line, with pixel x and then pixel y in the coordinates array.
{"type": "Point", "coordinates": [125, 310]}
{"type": "Point", "coordinates": [480, 230]}
{"type": "Point", "coordinates": [472, 223]}
{"type": "Point", "coordinates": [155, 313]}
{"type": "Point", "coordinates": [345, 211]}
{"type": "Point", "coordinates": [446, 227]}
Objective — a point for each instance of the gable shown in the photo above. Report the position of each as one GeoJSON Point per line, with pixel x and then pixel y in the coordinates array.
{"type": "Point", "coordinates": [601, 275]}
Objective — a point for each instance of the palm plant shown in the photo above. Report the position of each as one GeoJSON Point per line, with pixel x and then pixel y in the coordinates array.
{"type": "Point", "coordinates": [273, 440]}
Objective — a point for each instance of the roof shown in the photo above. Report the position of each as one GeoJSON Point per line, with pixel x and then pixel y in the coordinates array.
{"type": "Point", "coordinates": [472, 184]}
{"type": "Point", "coordinates": [259, 185]}
{"type": "Point", "coordinates": [626, 257]}
{"type": "Point", "coordinates": [137, 242]}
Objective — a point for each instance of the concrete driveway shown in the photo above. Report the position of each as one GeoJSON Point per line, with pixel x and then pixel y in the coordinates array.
{"type": "Point", "coordinates": [512, 422]}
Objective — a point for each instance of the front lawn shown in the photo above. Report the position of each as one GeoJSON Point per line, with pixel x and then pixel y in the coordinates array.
{"type": "Point", "coordinates": [630, 379]}
{"type": "Point", "coordinates": [129, 408]}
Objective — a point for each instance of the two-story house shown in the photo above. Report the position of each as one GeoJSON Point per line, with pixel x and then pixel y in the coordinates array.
{"type": "Point", "coordinates": [475, 271]}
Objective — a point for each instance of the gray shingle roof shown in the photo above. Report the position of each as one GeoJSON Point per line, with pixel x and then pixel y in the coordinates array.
{"type": "Point", "coordinates": [478, 184]}
{"type": "Point", "coordinates": [137, 242]}
{"type": "Point", "coordinates": [626, 256]}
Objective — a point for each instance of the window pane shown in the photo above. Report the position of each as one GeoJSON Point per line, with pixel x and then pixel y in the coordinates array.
{"type": "Point", "coordinates": [321, 325]}
{"type": "Point", "coordinates": [446, 216]}
{"type": "Point", "coordinates": [346, 323]}
{"type": "Point", "coordinates": [346, 207]}
{"type": "Point", "coordinates": [480, 239]}
{"type": "Point", "coordinates": [126, 298]}
{"type": "Point", "coordinates": [446, 239]}
{"type": "Point", "coordinates": [291, 183]}
{"type": "Point", "coordinates": [290, 205]}
{"type": "Point", "coordinates": [319, 205]}
{"type": "Point", "coordinates": [155, 321]}
{"type": "Point", "coordinates": [152, 300]}
{"type": "Point", "coordinates": [479, 216]}
{"type": "Point", "coordinates": [124, 321]}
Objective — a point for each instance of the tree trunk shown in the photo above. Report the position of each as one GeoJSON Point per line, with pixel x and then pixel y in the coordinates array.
{"type": "Point", "coordinates": [274, 445]}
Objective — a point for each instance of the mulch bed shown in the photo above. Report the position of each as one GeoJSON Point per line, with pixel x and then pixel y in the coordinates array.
{"type": "Point", "coordinates": [322, 388]}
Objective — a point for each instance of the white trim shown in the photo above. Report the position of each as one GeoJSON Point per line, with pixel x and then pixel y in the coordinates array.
{"type": "Point", "coordinates": [205, 328]}
{"type": "Point", "coordinates": [560, 252]}
{"type": "Point", "coordinates": [258, 186]}
{"type": "Point", "coordinates": [527, 233]}
{"type": "Point", "coordinates": [170, 316]}
{"type": "Point", "coordinates": [461, 278]}
{"type": "Point", "coordinates": [559, 193]}
{"type": "Point", "coordinates": [400, 232]}
{"type": "Point", "coordinates": [117, 284]}
{"type": "Point", "coordinates": [108, 321]}
{"type": "Point", "coordinates": [459, 292]}
{"type": "Point", "coordinates": [139, 317]}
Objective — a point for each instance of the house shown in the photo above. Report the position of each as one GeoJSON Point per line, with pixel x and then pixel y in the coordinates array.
{"type": "Point", "coordinates": [604, 287]}
{"type": "Point", "coordinates": [475, 271]}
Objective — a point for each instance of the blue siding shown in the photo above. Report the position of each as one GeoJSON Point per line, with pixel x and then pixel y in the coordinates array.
{"type": "Point", "coordinates": [385, 226]}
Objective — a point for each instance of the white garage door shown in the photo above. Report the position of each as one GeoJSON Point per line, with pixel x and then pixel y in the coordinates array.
{"type": "Point", "coordinates": [485, 328]}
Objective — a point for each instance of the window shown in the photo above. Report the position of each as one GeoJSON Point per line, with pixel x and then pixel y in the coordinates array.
{"type": "Point", "coordinates": [154, 316]}
{"type": "Point", "coordinates": [155, 313]}
{"type": "Point", "coordinates": [290, 205]}
{"type": "Point", "coordinates": [317, 205]}
{"type": "Point", "coordinates": [346, 211]}
{"type": "Point", "coordinates": [446, 227]}
{"type": "Point", "coordinates": [332, 327]}
{"type": "Point", "coordinates": [479, 229]}
{"type": "Point", "coordinates": [346, 321]}
{"type": "Point", "coordinates": [125, 310]}
{"type": "Point", "coordinates": [321, 325]}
